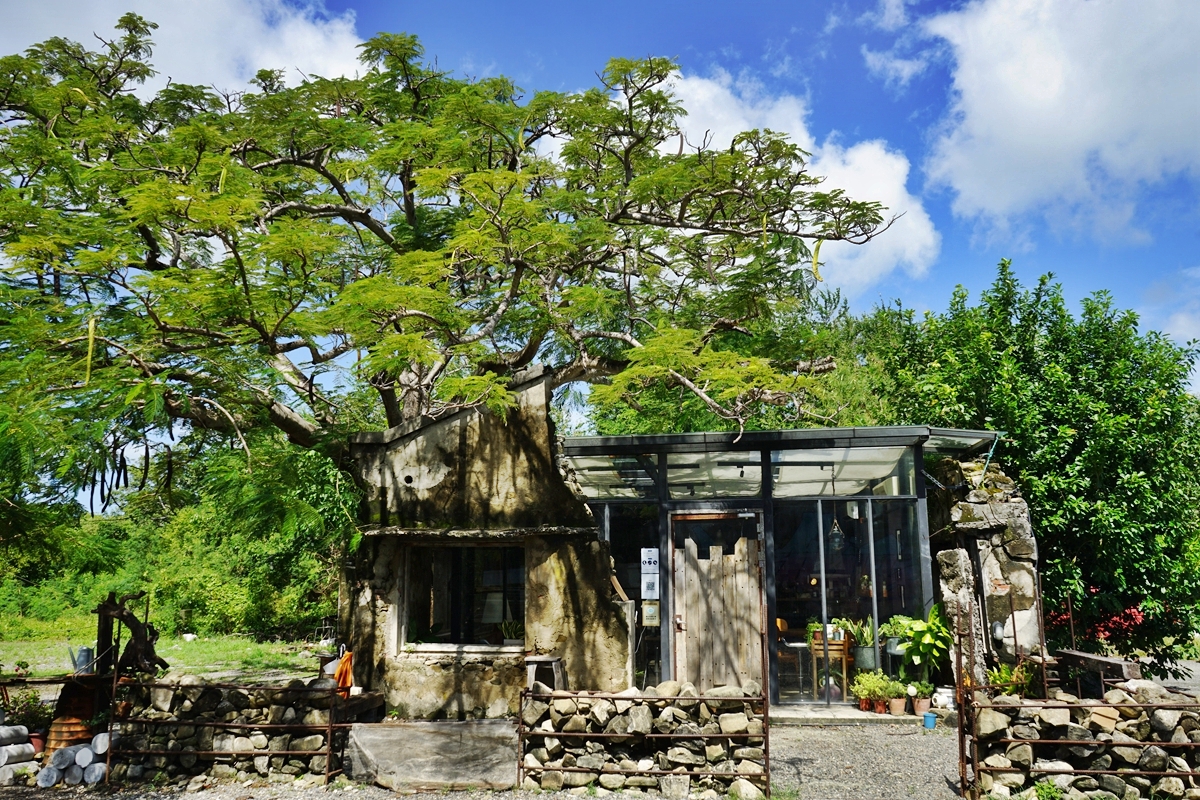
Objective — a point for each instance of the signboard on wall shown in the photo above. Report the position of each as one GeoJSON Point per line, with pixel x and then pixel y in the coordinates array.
{"type": "Point", "coordinates": [650, 617]}
{"type": "Point", "coordinates": [649, 560]}
{"type": "Point", "coordinates": [649, 586]}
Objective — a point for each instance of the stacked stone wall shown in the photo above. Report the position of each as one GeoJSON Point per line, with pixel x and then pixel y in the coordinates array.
{"type": "Point", "coordinates": [987, 556]}
{"type": "Point", "coordinates": [193, 722]}
{"type": "Point", "coordinates": [647, 740]}
{"type": "Point", "coordinates": [1124, 747]}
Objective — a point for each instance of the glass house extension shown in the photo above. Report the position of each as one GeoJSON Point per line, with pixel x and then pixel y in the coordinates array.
{"type": "Point", "coordinates": [740, 549]}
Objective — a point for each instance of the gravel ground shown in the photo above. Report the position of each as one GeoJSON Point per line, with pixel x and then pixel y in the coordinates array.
{"type": "Point", "coordinates": [871, 762]}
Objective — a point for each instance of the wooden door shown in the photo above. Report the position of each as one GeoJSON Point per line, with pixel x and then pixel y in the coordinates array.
{"type": "Point", "coordinates": [718, 599]}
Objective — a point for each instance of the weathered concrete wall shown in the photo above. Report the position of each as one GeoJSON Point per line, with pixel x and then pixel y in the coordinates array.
{"type": "Point", "coordinates": [475, 477]}
{"type": "Point", "coordinates": [470, 470]}
{"type": "Point", "coordinates": [434, 756]}
{"type": "Point", "coordinates": [570, 611]}
{"type": "Point", "coordinates": [988, 554]}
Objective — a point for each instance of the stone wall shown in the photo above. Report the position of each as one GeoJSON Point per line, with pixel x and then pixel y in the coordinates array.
{"type": "Point", "coordinates": [986, 555]}
{"type": "Point", "coordinates": [191, 707]}
{"type": "Point", "coordinates": [1123, 745]}
{"type": "Point", "coordinates": [721, 734]}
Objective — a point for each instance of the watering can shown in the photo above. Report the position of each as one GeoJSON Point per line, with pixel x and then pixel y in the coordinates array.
{"type": "Point", "coordinates": [83, 660]}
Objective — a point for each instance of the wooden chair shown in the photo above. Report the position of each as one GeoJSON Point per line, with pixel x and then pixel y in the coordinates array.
{"type": "Point", "coordinates": [786, 653]}
{"type": "Point", "coordinates": [839, 651]}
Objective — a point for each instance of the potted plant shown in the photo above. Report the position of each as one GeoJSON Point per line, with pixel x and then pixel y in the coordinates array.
{"type": "Point", "coordinates": [26, 708]}
{"type": "Point", "coordinates": [863, 634]}
{"type": "Point", "coordinates": [868, 686]}
{"type": "Point", "coordinates": [897, 698]}
{"type": "Point", "coordinates": [928, 645]}
{"type": "Point", "coordinates": [894, 632]}
{"type": "Point", "coordinates": [513, 631]}
{"type": "Point", "coordinates": [922, 695]}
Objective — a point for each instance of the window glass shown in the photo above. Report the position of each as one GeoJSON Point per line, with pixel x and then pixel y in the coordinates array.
{"type": "Point", "coordinates": [466, 595]}
{"type": "Point", "coordinates": [615, 477]}
{"type": "Point", "coordinates": [691, 475]}
{"type": "Point", "coordinates": [878, 471]}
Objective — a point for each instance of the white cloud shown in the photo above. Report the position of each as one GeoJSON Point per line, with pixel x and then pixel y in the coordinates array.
{"type": "Point", "coordinates": [217, 42]}
{"type": "Point", "coordinates": [723, 107]}
{"type": "Point", "coordinates": [1068, 108]}
{"type": "Point", "coordinates": [890, 15]}
{"type": "Point", "coordinates": [894, 70]}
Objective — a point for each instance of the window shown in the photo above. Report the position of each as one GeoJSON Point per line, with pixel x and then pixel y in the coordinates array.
{"type": "Point", "coordinates": [466, 595]}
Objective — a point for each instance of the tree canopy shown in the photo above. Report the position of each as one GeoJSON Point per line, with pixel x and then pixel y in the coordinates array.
{"type": "Point", "coordinates": [371, 250]}
{"type": "Point", "coordinates": [1100, 433]}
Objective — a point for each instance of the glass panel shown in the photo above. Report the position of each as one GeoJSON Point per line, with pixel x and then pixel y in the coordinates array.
{"type": "Point", "coordinates": [615, 477]}
{"type": "Point", "coordinates": [843, 471]}
{"type": "Point", "coordinates": [462, 595]}
{"type": "Point", "coordinates": [632, 526]}
{"type": "Point", "coordinates": [897, 568]}
{"type": "Point", "coordinates": [797, 596]}
{"type": "Point", "coordinates": [707, 475]}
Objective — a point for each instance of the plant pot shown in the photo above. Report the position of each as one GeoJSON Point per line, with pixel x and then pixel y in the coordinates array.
{"type": "Point", "coordinates": [896, 706]}
{"type": "Point", "coordinates": [864, 704]}
{"type": "Point", "coordinates": [864, 658]}
{"type": "Point", "coordinates": [38, 740]}
{"type": "Point", "coordinates": [921, 705]}
{"type": "Point", "coordinates": [881, 706]}
{"type": "Point", "coordinates": [893, 646]}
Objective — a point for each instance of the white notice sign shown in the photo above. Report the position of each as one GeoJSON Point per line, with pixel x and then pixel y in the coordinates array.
{"type": "Point", "coordinates": [649, 560]}
{"type": "Point", "coordinates": [649, 587]}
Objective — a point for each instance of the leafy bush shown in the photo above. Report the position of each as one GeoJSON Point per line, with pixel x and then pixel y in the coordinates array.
{"type": "Point", "coordinates": [25, 707]}
{"type": "Point", "coordinates": [870, 684]}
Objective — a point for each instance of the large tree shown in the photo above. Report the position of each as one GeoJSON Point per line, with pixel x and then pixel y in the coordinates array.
{"type": "Point", "coordinates": [205, 256]}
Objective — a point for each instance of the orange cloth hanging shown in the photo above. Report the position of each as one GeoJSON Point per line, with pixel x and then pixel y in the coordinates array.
{"type": "Point", "coordinates": [344, 674]}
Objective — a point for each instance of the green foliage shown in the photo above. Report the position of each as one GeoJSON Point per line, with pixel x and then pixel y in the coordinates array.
{"type": "Point", "coordinates": [1020, 680]}
{"type": "Point", "coordinates": [896, 627]}
{"type": "Point", "coordinates": [1101, 438]}
{"type": "Point", "coordinates": [226, 547]}
{"type": "Point", "coordinates": [894, 690]}
{"type": "Point", "coordinates": [269, 260]}
{"type": "Point", "coordinates": [861, 631]}
{"type": "Point", "coordinates": [928, 645]}
{"type": "Point", "coordinates": [923, 689]}
{"type": "Point", "coordinates": [1047, 790]}
{"type": "Point", "coordinates": [25, 707]}
{"type": "Point", "coordinates": [870, 684]}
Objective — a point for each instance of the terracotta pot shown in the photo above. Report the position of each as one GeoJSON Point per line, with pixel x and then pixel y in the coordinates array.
{"type": "Point", "coordinates": [896, 706]}
{"type": "Point", "coordinates": [921, 705]}
{"type": "Point", "coordinates": [864, 704]}
{"type": "Point", "coordinates": [38, 740]}
{"type": "Point", "coordinates": [881, 706]}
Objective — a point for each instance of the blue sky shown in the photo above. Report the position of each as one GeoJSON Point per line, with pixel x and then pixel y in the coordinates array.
{"type": "Point", "coordinates": [1060, 133]}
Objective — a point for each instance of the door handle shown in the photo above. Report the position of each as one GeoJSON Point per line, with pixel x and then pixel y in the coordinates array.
{"type": "Point", "coordinates": [680, 625]}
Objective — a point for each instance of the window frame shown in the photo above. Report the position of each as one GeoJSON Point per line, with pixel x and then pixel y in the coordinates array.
{"type": "Point", "coordinates": [446, 648]}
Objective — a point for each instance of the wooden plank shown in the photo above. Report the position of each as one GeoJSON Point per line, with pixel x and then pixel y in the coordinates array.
{"type": "Point", "coordinates": [718, 619]}
{"type": "Point", "coordinates": [731, 618]}
{"type": "Point", "coordinates": [692, 616]}
{"type": "Point", "coordinates": [679, 591]}
{"type": "Point", "coordinates": [703, 616]}
{"type": "Point", "coordinates": [745, 616]}
{"type": "Point", "coordinates": [757, 626]}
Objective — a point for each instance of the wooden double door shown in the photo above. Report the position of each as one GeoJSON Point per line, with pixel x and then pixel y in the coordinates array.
{"type": "Point", "coordinates": [718, 599]}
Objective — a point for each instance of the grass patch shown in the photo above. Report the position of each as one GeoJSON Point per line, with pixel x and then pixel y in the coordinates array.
{"type": "Point", "coordinates": [237, 657]}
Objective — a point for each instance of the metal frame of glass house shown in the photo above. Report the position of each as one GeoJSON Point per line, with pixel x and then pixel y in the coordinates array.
{"type": "Point", "coordinates": [762, 540]}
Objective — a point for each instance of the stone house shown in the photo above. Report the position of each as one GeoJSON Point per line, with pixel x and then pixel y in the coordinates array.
{"type": "Point", "coordinates": [698, 557]}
